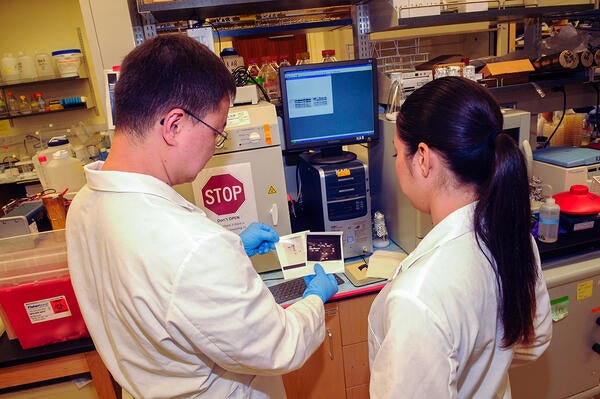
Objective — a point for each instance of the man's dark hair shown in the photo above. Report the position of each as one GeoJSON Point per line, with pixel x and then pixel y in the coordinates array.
{"type": "Point", "coordinates": [166, 72]}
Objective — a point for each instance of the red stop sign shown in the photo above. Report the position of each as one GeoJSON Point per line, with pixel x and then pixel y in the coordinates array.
{"type": "Point", "coordinates": [223, 194]}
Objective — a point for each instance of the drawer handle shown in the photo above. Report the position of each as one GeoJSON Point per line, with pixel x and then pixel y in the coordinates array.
{"type": "Point", "coordinates": [330, 339]}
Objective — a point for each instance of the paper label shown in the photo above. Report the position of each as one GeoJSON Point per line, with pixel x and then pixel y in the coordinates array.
{"type": "Point", "coordinates": [585, 289]}
{"type": "Point", "coordinates": [47, 309]}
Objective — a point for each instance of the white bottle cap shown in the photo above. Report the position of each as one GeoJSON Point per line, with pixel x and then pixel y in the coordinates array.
{"type": "Point", "coordinates": [550, 201]}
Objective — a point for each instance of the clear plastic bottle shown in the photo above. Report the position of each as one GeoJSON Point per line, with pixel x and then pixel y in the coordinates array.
{"type": "Point", "coordinates": [271, 79]}
{"type": "Point", "coordinates": [9, 68]}
{"type": "Point", "coordinates": [65, 172]}
{"type": "Point", "coordinates": [302, 58]}
{"type": "Point", "coordinates": [43, 64]}
{"type": "Point", "coordinates": [328, 55]}
{"type": "Point", "coordinates": [284, 60]}
{"type": "Point", "coordinates": [12, 103]}
{"type": "Point", "coordinates": [548, 223]}
{"type": "Point", "coordinates": [24, 105]}
{"type": "Point", "coordinates": [26, 66]}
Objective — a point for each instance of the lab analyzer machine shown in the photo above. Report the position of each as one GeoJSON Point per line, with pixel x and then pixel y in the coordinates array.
{"type": "Point", "coordinates": [244, 181]}
{"type": "Point", "coordinates": [406, 225]}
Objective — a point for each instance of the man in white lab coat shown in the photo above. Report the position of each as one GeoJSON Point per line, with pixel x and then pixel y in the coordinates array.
{"type": "Point", "coordinates": [170, 298]}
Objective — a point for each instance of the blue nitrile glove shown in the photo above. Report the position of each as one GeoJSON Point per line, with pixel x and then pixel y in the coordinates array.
{"type": "Point", "coordinates": [321, 284]}
{"type": "Point", "coordinates": [259, 238]}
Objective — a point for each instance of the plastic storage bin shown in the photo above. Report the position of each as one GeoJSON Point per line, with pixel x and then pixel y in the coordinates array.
{"type": "Point", "coordinates": [67, 62]}
{"type": "Point", "coordinates": [37, 302]}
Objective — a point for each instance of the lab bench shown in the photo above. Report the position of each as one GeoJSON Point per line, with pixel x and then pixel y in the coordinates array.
{"type": "Point", "coordinates": [340, 368]}
{"type": "Point", "coordinates": [20, 367]}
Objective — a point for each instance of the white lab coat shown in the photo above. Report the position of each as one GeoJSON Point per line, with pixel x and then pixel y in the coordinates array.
{"type": "Point", "coordinates": [171, 300]}
{"type": "Point", "coordinates": [435, 331]}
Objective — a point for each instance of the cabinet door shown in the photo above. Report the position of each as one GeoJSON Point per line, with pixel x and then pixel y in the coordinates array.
{"type": "Point", "coordinates": [569, 366]}
{"type": "Point", "coordinates": [353, 318]}
{"type": "Point", "coordinates": [322, 376]}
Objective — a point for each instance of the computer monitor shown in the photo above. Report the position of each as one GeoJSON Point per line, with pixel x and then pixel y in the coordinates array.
{"type": "Point", "coordinates": [329, 105]}
{"type": "Point", "coordinates": [110, 80]}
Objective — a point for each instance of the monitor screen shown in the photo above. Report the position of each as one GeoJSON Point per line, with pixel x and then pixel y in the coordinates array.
{"type": "Point", "coordinates": [329, 105]}
{"type": "Point", "coordinates": [110, 80]}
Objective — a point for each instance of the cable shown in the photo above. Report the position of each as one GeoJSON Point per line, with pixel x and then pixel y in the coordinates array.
{"type": "Point", "coordinates": [562, 89]}
{"type": "Point", "coordinates": [241, 78]}
{"type": "Point", "coordinates": [298, 187]}
{"type": "Point", "coordinates": [596, 129]}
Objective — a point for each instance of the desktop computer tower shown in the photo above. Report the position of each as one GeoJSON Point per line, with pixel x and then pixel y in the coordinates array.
{"type": "Point", "coordinates": [336, 197]}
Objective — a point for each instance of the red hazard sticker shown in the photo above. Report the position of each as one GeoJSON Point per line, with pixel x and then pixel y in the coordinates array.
{"type": "Point", "coordinates": [59, 305]}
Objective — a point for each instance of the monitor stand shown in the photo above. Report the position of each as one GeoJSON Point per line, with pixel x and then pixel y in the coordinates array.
{"type": "Point", "coordinates": [328, 156]}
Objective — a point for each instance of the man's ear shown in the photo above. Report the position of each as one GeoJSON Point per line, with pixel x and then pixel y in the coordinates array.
{"type": "Point", "coordinates": [171, 126]}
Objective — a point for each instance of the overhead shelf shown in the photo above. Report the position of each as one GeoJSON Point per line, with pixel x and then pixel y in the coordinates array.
{"type": "Point", "coordinates": [383, 16]}
{"type": "Point", "coordinates": [167, 11]}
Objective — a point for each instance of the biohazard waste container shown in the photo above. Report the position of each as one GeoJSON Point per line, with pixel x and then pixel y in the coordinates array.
{"type": "Point", "coordinates": [37, 302]}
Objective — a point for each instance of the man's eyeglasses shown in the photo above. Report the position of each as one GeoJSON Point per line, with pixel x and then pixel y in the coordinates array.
{"type": "Point", "coordinates": [221, 135]}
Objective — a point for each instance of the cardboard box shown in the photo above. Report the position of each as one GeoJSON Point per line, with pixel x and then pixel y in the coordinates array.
{"type": "Point", "coordinates": [472, 5]}
{"type": "Point", "coordinates": [37, 301]}
{"type": "Point", "coordinates": [508, 72]}
{"type": "Point", "coordinates": [416, 8]}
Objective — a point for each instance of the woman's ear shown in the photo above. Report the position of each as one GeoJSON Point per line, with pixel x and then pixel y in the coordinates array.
{"type": "Point", "coordinates": [423, 159]}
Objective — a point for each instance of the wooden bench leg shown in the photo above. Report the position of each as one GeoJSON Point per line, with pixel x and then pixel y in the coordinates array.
{"type": "Point", "coordinates": [105, 385]}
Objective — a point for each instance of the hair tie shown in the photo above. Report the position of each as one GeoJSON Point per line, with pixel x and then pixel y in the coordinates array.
{"type": "Point", "coordinates": [493, 134]}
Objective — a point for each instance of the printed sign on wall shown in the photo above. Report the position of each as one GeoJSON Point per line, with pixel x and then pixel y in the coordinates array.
{"type": "Point", "coordinates": [226, 193]}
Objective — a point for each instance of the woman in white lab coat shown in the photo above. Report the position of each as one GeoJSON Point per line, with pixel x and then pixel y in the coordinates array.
{"type": "Point", "coordinates": [470, 299]}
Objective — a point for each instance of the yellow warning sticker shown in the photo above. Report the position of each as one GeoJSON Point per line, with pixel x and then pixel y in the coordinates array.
{"type": "Point", "coordinates": [342, 172]}
{"type": "Point", "coordinates": [584, 289]}
{"type": "Point", "coordinates": [272, 190]}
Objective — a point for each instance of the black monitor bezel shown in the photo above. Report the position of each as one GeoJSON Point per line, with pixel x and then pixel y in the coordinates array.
{"type": "Point", "coordinates": [327, 144]}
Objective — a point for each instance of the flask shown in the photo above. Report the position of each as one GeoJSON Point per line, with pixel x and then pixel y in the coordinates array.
{"type": "Point", "coordinates": [548, 224]}
{"type": "Point", "coordinates": [271, 79]}
{"type": "Point", "coordinates": [253, 70]}
{"type": "Point", "coordinates": [328, 55]}
{"type": "Point", "coordinates": [65, 172]}
{"type": "Point", "coordinates": [302, 58]}
{"type": "Point", "coordinates": [381, 232]}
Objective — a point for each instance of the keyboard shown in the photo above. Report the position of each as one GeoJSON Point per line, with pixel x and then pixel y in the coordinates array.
{"type": "Point", "coordinates": [293, 289]}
